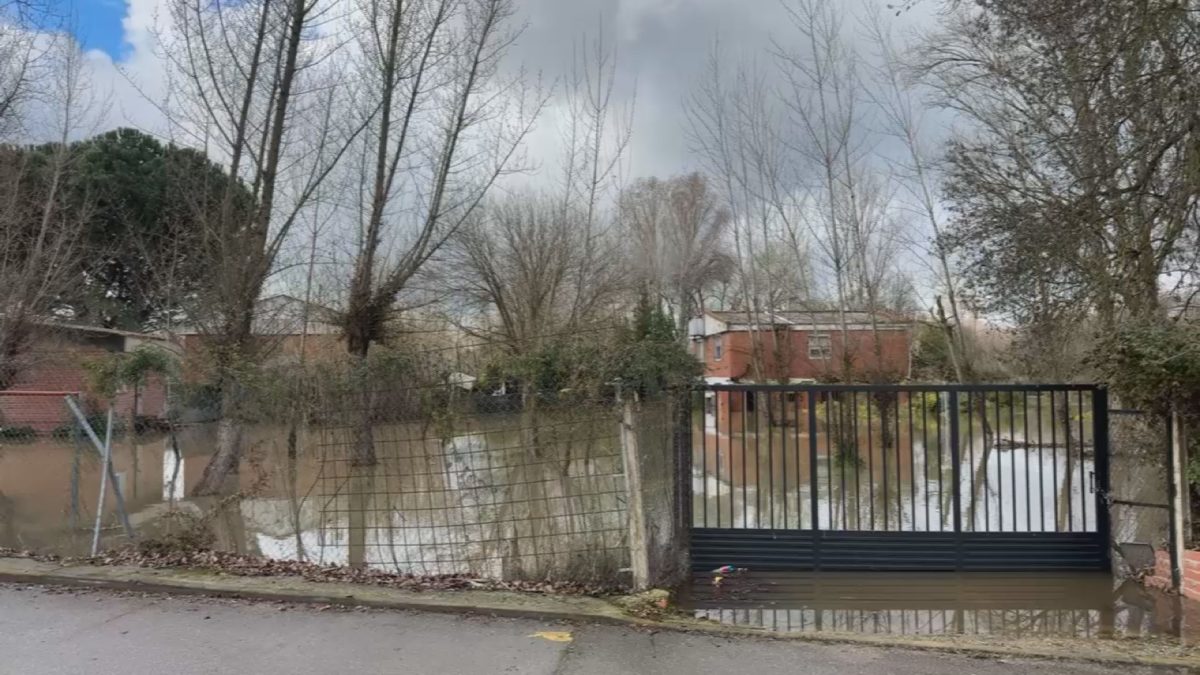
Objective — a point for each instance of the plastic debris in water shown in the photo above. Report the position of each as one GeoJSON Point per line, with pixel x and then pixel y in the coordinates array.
{"type": "Point", "coordinates": [729, 569]}
{"type": "Point", "coordinates": [717, 580]}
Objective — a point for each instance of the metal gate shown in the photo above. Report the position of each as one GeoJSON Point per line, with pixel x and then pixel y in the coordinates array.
{"type": "Point", "coordinates": [900, 477]}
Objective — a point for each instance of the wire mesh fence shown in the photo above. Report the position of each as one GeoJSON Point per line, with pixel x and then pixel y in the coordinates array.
{"type": "Point", "coordinates": [502, 493]}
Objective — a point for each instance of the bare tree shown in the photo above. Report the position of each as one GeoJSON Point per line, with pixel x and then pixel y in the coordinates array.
{"type": "Point", "coordinates": [906, 120]}
{"type": "Point", "coordinates": [823, 98]}
{"type": "Point", "coordinates": [519, 261]}
{"type": "Point", "coordinates": [256, 84]}
{"type": "Point", "coordinates": [595, 138]}
{"type": "Point", "coordinates": [40, 227]}
{"type": "Point", "coordinates": [677, 237]}
{"type": "Point", "coordinates": [21, 61]}
{"type": "Point", "coordinates": [735, 125]}
{"type": "Point", "coordinates": [444, 127]}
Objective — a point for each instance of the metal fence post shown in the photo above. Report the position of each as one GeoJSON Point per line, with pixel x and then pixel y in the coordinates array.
{"type": "Point", "coordinates": [1101, 468]}
{"type": "Point", "coordinates": [956, 474]}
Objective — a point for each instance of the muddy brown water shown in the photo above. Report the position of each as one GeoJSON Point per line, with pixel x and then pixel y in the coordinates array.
{"type": "Point", "coordinates": [986, 604]}
{"type": "Point", "coordinates": [293, 512]}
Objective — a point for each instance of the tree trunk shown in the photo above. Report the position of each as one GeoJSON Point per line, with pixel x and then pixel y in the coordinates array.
{"type": "Point", "coordinates": [229, 449]}
{"type": "Point", "coordinates": [358, 343]}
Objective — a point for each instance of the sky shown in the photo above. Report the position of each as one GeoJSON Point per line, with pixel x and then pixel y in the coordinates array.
{"type": "Point", "coordinates": [660, 46]}
{"type": "Point", "coordinates": [96, 24]}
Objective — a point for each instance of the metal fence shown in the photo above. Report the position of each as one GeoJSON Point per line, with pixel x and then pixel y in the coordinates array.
{"type": "Point", "coordinates": [983, 476]}
{"type": "Point", "coordinates": [501, 493]}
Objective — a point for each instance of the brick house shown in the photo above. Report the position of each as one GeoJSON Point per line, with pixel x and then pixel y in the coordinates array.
{"type": "Point", "coordinates": [287, 329]}
{"type": "Point", "coordinates": [56, 365]}
{"type": "Point", "coordinates": [797, 347]}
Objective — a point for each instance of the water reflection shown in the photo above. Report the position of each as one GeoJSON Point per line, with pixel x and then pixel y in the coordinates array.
{"type": "Point", "coordinates": [492, 497]}
{"type": "Point", "coordinates": [1025, 463]}
{"type": "Point", "coordinates": [1014, 604]}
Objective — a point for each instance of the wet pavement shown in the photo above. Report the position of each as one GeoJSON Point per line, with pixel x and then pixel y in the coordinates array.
{"type": "Point", "coordinates": [103, 633]}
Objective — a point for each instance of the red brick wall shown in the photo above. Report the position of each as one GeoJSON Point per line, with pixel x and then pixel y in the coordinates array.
{"type": "Point", "coordinates": [789, 358]}
{"type": "Point", "coordinates": [1189, 573]}
{"type": "Point", "coordinates": [58, 367]}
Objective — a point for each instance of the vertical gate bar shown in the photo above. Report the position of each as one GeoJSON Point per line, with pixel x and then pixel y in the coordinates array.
{"type": "Point", "coordinates": [770, 457]}
{"type": "Point", "coordinates": [870, 464]}
{"type": "Point", "coordinates": [1068, 476]}
{"type": "Point", "coordinates": [986, 461]}
{"type": "Point", "coordinates": [1083, 484]}
{"type": "Point", "coordinates": [746, 393]}
{"type": "Point", "coordinates": [1025, 438]}
{"type": "Point", "coordinates": [813, 479]}
{"type": "Point", "coordinates": [1012, 458]}
{"type": "Point", "coordinates": [758, 509]}
{"type": "Point", "coordinates": [999, 465]}
{"type": "Point", "coordinates": [783, 453]}
{"type": "Point", "coordinates": [1041, 465]}
{"type": "Point", "coordinates": [956, 476]}
{"type": "Point", "coordinates": [1100, 443]}
{"type": "Point", "coordinates": [971, 459]}
{"type": "Point", "coordinates": [828, 458]}
{"type": "Point", "coordinates": [799, 472]}
{"type": "Point", "coordinates": [883, 456]}
{"type": "Point", "coordinates": [899, 473]}
{"type": "Point", "coordinates": [717, 455]}
{"type": "Point", "coordinates": [925, 455]}
{"type": "Point", "coordinates": [857, 460]}
{"type": "Point", "coordinates": [704, 448]}
{"type": "Point", "coordinates": [841, 460]}
{"type": "Point", "coordinates": [1054, 460]}
{"type": "Point", "coordinates": [940, 468]}
{"type": "Point", "coordinates": [685, 468]}
{"type": "Point", "coordinates": [912, 462]}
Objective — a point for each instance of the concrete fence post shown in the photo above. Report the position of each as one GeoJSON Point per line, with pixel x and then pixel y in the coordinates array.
{"type": "Point", "coordinates": [1179, 497]}
{"type": "Point", "coordinates": [639, 551]}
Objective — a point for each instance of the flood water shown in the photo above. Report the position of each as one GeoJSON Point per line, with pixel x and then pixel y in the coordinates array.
{"type": "Point", "coordinates": [490, 498]}
{"type": "Point", "coordinates": [479, 501]}
{"type": "Point", "coordinates": [986, 604]}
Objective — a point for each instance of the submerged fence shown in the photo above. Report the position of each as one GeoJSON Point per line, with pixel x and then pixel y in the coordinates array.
{"type": "Point", "coordinates": [901, 476]}
{"type": "Point", "coordinates": [498, 492]}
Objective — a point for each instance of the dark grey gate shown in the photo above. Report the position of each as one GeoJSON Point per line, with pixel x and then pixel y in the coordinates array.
{"type": "Point", "coordinates": [900, 477]}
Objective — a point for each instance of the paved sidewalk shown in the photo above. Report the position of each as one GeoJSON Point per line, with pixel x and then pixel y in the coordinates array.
{"type": "Point", "coordinates": [101, 632]}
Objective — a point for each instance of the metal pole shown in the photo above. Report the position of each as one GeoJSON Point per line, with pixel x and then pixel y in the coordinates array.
{"type": "Point", "coordinates": [76, 449]}
{"type": "Point", "coordinates": [120, 498]}
{"type": "Point", "coordinates": [107, 455]}
{"type": "Point", "coordinates": [1100, 441]}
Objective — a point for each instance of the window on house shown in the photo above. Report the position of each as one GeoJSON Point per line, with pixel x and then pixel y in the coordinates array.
{"type": "Point", "coordinates": [819, 346]}
{"type": "Point", "coordinates": [700, 350]}
{"type": "Point", "coordinates": [718, 347]}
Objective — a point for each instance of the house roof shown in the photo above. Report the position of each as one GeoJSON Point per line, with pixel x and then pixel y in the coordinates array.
{"type": "Point", "coordinates": [801, 319]}
{"type": "Point", "coordinates": [283, 314]}
{"type": "Point", "coordinates": [99, 330]}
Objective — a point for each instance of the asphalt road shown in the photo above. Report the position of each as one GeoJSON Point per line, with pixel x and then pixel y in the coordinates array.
{"type": "Point", "coordinates": [46, 631]}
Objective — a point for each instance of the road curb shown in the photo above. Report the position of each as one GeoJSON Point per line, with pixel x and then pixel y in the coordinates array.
{"type": "Point", "coordinates": [507, 604]}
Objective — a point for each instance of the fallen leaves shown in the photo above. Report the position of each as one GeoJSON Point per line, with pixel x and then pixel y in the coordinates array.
{"type": "Point", "coordinates": [237, 564]}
